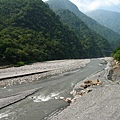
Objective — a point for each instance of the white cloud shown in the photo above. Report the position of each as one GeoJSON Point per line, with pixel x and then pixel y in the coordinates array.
{"type": "Point", "coordinates": [44, 0]}
{"type": "Point", "coordinates": [89, 5]}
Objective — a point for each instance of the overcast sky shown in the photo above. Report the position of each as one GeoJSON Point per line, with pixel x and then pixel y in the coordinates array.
{"type": "Point", "coordinates": [89, 5]}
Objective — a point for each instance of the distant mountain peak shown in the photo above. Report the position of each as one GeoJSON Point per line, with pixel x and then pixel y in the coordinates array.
{"type": "Point", "coordinates": [110, 19]}
{"type": "Point", "coordinates": [112, 37]}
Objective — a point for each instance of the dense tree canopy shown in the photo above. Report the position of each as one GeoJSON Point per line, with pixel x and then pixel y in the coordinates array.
{"type": "Point", "coordinates": [93, 42]}
{"type": "Point", "coordinates": [30, 31]}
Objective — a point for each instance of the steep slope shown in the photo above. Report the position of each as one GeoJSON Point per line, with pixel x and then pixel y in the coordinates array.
{"type": "Point", "coordinates": [89, 38]}
{"type": "Point", "coordinates": [112, 37]}
{"type": "Point", "coordinates": [107, 18]}
{"type": "Point", "coordinates": [30, 31]}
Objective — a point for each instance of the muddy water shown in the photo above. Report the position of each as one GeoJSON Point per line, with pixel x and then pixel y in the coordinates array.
{"type": "Point", "coordinates": [45, 101]}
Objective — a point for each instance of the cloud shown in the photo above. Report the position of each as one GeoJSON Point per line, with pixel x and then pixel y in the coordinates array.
{"type": "Point", "coordinates": [89, 5]}
{"type": "Point", "coordinates": [44, 0]}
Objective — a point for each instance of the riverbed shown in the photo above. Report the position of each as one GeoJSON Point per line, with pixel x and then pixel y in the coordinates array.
{"type": "Point", "coordinates": [101, 103]}
{"type": "Point", "coordinates": [46, 100]}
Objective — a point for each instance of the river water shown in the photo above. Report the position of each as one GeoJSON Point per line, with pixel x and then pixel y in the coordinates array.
{"type": "Point", "coordinates": [45, 101]}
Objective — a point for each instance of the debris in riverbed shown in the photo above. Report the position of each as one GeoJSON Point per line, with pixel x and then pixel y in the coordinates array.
{"type": "Point", "coordinates": [82, 90]}
{"type": "Point", "coordinates": [68, 100]}
{"type": "Point", "coordinates": [96, 82]}
{"type": "Point", "coordinates": [84, 86]}
{"type": "Point", "coordinates": [74, 93]}
{"type": "Point", "coordinates": [89, 83]}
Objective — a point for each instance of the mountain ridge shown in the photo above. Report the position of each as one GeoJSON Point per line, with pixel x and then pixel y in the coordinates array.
{"type": "Point", "coordinates": [107, 18]}
{"type": "Point", "coordinates": [88, 37]}
{"type": "Point", "coordinates": [112, 37]}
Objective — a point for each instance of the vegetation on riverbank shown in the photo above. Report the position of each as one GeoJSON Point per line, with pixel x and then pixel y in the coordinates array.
{"type": "Point", "coordinates": [116, 53]}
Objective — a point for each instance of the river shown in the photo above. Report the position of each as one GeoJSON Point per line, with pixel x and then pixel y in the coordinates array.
{"type": "Point", "coordinates": [46, 100]}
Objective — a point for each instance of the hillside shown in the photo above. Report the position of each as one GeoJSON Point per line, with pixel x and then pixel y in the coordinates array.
{"type": "Point", "coordinates": [112, 37]}
{"type": "Point", "coordinates": [30, 32]}
{"type": "Point", "coordinates": [107, 18]}
{"type": "Point", "coordinates": [89, 38]}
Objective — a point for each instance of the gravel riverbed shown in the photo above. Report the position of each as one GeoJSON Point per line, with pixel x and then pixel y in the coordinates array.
{"type": "Point", "coordinates": [102, 103]}
{"type": "Point", "coordinates": [51, 67]}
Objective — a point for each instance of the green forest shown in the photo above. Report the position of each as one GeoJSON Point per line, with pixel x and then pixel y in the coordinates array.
{"type": "Point", "coordinates": [88, 37]}
{"type": "Point", "coordinates": [31, 32]}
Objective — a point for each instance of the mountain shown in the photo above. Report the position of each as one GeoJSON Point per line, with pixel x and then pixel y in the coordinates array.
{"type": "Point", "coordinates": [112, 37]}
{"type": "Point", "coordinates": [107, 18]}
{"type": "Point", "coordinates": [90, 39]}
{"type": "Point", "coordinates": [30, 31]}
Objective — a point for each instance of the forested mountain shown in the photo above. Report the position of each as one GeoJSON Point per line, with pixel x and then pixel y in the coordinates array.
{"type": "Point", "coordinates": [111, 36]}
{"type": "Point", "coordinates": [107, 18]}
{"type": "Point", "coordinates": [90, 39]}
{"type": "Point", "coordinates": [30, 31]}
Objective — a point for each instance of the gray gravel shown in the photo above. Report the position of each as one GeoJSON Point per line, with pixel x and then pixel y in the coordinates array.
{"type": "Point", "coordinates": [102, 103]}
{"type": "Point", "coordinates": [53, 67]}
